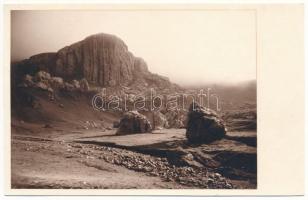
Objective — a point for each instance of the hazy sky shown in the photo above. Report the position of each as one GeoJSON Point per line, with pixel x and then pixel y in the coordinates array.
{"type": "Point", "coordinates": [189, 47]}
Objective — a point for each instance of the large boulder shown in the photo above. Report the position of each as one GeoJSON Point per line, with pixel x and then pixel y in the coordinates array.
{"type": "Point", "coordinates": [134, 122]}
{"type": "Point", "coordinates": [204, 125]}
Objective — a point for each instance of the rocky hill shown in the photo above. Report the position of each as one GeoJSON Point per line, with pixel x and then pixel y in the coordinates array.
{"type": "Point", "coordinates": [78, 72]}
{"type": "Point", "coordinates": [102, 59]}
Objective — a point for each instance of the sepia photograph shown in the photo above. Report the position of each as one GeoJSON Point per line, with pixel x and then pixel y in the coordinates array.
{"type": "Point", "coordinates": [182, 99]}
{"type": "Point", "coordinates": [134, 99]}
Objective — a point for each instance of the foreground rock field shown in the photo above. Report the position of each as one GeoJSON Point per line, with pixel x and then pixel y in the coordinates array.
{"type": "Point", "coordinates": [59, 157]}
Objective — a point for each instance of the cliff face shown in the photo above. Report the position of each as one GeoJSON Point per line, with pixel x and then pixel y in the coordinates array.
{"type": "Point", "coordinates": [102, 59]}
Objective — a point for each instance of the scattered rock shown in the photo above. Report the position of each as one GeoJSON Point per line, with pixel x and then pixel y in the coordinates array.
{"type": "Point", "coordinates": [229, 186]}
{"type": "Point", "coordinates": [159, 167]}
{"type": "Point", "coordinates": [57, 82]}
{"type": "Point", "coordinates": [41, 85]}
{"type": "Point", "coordinates": [28, 80]}
{"type": "Point", "coordinates": [45, 81]}
{"type": "Point", "coordinates": [42, 76]}
{"type": "Point", "coordinates": [50, 90]}
{"type": "Point", "coordinates": [210, 181]}
{"type": "Point", "coordinates": [84, 85]}
{"type": "Point", "coordinates": [217, 175]}
{"type": "Point", "coordinates": [189, 156]}
{"type": "Point", "coordinates": [47, 126]}
{"type": "Point", "coordinates": [75, 84]}
{"type": "Point", "coordinates": [203, 125]}
{"type": "Point", "coordinates": [68, 87]}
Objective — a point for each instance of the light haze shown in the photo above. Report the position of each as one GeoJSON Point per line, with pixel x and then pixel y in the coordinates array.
{"type": "Point", "coordinates": [189, 47]}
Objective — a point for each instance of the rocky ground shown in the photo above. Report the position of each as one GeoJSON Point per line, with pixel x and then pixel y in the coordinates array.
{"type": "Point", "coordinates": [57, 156]}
